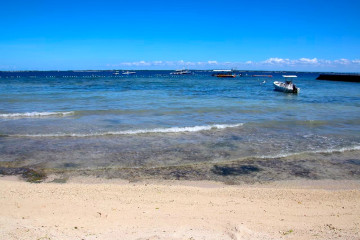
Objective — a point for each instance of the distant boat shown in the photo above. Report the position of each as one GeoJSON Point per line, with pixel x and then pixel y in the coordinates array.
{"type": "Point", "coordinates": [288, 86]}
{"type": "Point", "coordinates": [128, 73]}
{"type": "Point", "coordinates": [224, 73]}
{"type": "Point", "coordinates": [262, 76]}
{"type": "Point", "coordinates": [181, 72]}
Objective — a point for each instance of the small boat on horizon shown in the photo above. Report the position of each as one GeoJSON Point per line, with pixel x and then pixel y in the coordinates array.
{"type": "Point", "coordinates": [288, 86]}
{"type": "Point", "coordinates": [128, 73]}
{"type": "Point", "coordinates": [181, 72]}
{"type": "Point", "coordinates": [262, 76]}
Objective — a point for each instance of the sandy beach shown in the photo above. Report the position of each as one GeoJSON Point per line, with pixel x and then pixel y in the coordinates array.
{"type": "Point", "coordinates": [89, 208]}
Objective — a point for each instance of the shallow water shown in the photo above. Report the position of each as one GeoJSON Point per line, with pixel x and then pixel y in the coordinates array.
{"type": "Point", "coordinates": [92, 121]}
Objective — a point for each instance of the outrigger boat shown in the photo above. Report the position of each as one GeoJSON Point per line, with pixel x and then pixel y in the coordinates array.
{"type": "Point", "coordinates": [224, 73]}
{"type": "Point", "coordinates": [181, 72]}
{"type": "Point", "coordinates": [128, 73]}
{"type": "Point", "coordinates": [288, 86]}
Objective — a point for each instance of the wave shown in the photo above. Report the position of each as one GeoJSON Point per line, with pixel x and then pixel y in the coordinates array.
{"type": "Point", "coordinates": [331, 150]}
{"type": "Point", "coordinates": [139, 131]}
{"type": "Point", "coordinates": [35, 114]}
{"type": "Point", "coordinates": [344, 149]}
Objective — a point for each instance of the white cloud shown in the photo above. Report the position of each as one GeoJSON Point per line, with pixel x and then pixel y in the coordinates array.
{"type": "Point", "coordinates": [274, 63]}
{"type": "Point", "coordinates": [308, 60]}
{"type": "Point", "coordinates": [343, 61]}
{"type": "Point", "coordinates": [287, 61]}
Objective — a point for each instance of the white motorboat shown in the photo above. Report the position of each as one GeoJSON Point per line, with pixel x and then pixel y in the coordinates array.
{"type": "Point", "coordinates": [128, 73]}
{"type": "Point", "coordinates": [180, 72]}
{"type": "Point", "coordinates": [288, 86]}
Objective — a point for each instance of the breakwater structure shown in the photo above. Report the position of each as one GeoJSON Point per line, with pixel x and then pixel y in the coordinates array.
{"type": "Point", "coordinates": [340, 77]}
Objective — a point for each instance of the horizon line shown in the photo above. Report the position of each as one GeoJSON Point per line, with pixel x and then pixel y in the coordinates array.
{"type": "Point", "coordinates": [125, 69]}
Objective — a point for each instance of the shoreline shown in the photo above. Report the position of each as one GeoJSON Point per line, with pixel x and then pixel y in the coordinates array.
{"type": "Point", "coordinates": [302, 183]}
{"type": "Point", "coordinates": [338, 165]}
{"type": "Point", "coordinates": [96, 208]}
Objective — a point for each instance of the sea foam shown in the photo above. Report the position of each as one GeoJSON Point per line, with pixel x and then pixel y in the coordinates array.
{"type": "Point", "coordinates": [139, 131]}
{"type": "Point", "coordinates": [35, 114]}
{"type": "Point", "coordinates": [330, 150]}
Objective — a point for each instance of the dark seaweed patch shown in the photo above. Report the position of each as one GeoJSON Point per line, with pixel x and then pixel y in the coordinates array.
{"type": "Point", "coordinates": [234, 170]}
{"type": "Point", "coordinates": [13, 171]}
{"type": "Point", "coordinates": [304, 173]}
{"type": "Point", "coordinates": [70, 165]}
{"type": "Point", "coordinates": [34, 176]}
{"type": "Point", "coordinates": [353, 161]}
{"type": "Point", "coordinates": [235, 138]}
{"type": "Point", "coordinates": [300, 171]}
{"type": "Point", "coordinates": [28, 174]}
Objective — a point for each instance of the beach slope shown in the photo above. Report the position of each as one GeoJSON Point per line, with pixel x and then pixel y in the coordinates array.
{"type": "Point", "coordinates": [88, 209]}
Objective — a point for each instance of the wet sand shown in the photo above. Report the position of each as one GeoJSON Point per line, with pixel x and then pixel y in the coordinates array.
{"type": "Point", "coordinates": [90, 208]}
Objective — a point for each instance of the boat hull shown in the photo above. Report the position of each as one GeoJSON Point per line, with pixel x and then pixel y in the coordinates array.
{"type": "Point", "coordinates": [181, 72]}
{"type": "Point", "coordinates": [128, 73]}
{"type": "Point", "coordinates": [225, 75]}
{"type": "Point", "coordinates": [286, 88]}
{"type": "Point", "coordinates": [187, 73]}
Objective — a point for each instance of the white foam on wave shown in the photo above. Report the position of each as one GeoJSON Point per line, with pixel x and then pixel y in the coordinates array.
{"type": "Point", "coordinates": [332, 150]}
{"type": "Point", "coordinates": [35, 114]}
{"type": "Point", "coordinates": [344, 149]}
{"type": "Point", "coordinates": [139, 131]}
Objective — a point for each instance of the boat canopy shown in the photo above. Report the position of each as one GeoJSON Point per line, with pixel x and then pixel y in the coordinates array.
{"type": "Point", "coordinates": [289, 76]}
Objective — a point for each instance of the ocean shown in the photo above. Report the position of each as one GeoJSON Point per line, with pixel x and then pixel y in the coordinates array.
{"type": "Point", "coordinates": [154, 125]}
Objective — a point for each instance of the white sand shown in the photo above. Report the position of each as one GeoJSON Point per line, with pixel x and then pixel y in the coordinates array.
{"type": "Point", "coordinates": [91, 209]}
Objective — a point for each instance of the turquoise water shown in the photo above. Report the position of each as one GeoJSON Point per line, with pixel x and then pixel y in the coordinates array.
{"type": "Point", "coordinates": [92, 120]}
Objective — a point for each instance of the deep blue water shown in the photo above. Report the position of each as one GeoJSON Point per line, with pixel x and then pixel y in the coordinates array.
{"type": "Point", "coordinates": [152, 118]}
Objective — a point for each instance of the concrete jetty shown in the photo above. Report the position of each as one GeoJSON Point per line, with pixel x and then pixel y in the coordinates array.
{"type": "Point", "coordinates": [340, 77]}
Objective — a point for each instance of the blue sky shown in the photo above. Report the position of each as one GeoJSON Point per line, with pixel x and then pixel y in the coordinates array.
{"type": "Point", "coordinates": [270, 35]}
